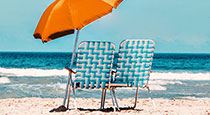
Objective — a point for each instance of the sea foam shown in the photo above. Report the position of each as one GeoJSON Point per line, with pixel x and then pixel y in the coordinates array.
{"type": "Point", "coordinates": [4, 80]}
{"type": "Point", "coordinates": [32, 72]}
{"type": "Point", "coordinates": [180, 76]}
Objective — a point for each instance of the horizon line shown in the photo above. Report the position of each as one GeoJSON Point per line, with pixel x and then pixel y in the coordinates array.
{"type": "Point", "coordinates": [71, 52]}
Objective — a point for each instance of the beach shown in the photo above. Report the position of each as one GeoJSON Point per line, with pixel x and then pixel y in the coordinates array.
{"type": "Point", "coordinates": [37, 106]}
{"type": "Point", "coordinates": [34, 83]}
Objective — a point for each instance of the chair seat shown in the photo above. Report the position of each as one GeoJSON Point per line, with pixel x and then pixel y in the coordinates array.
{"type": "Point", "coordinates": [90, 83]}
{"type": "Point", "coordinates": [119, 84]}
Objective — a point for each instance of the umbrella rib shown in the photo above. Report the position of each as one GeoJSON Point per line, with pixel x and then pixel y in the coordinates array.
{"type": "Point", "coordinates": [90, 20]}
{"type": "Point", "coordinates": [70, 16]}
{"type": "Point", "coordinates": [116, 3]}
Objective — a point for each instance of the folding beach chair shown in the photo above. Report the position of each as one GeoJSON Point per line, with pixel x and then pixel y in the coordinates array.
{"type": "Point", "coordinates": [93, 67]}
{"type": "Point", "coordinates": [133, 67]}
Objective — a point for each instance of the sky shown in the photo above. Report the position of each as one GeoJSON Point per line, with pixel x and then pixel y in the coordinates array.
{"type": "Point", "coordinates": [176, 26]}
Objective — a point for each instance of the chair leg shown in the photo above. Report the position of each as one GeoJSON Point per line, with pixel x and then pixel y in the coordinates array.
{"type": "Point", "coordinates": [115, 99]}
{"type": "Point", "coordinates": [74, 94]}
{"type": "Point", "coordinates": [149, 93]}
{"type": "Point", "coordinates": [112, 100]}
{"type": "Point", "coordinates": [102, 99]}
{"type": "Point", "coordinates": [137, 90]}
{"type": "Point", "coordinates": [75, 103]}
{"type": "Point", "coordinates": [69, 94]}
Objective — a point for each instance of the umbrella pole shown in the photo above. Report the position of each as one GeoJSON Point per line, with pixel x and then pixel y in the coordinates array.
{"type": "Point", "coordinates": [70, 75]}
{"type": "Point", "coordinates": [69, 83]}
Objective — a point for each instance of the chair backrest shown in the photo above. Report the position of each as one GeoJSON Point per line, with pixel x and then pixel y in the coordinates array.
{"type": "Point", "coordinates": [135, 61]}
{"type": "Point", "coordinates": [94, 63]}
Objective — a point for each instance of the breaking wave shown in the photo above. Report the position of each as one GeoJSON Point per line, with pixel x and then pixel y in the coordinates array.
{"type": "Point", "coordinates": [31, 72]}
{"type": "Point", "coordinates": [4, 80]}
{"type": "Point", "coordinates": [180, 76]}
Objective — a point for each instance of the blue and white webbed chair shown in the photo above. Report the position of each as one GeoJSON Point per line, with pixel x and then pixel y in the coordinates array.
{"type": "Point", "coordinates": [94, 64]}
{"type": "Point", "coordinates": [133, 67]}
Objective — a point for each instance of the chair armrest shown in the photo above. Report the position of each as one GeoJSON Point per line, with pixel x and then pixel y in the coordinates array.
{"type": "Point", "coordinates": [70, 70]}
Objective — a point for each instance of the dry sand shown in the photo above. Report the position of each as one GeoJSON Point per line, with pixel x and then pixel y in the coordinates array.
{"type": "Point", "coordinates": [37, 106]}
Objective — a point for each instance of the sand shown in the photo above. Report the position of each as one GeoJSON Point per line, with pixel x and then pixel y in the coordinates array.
{"type": "Point", "coordinates": [37, 106]}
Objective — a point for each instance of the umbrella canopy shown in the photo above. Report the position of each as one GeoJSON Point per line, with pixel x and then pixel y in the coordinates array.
{"type": "Point", "coordinates": [62, 17]}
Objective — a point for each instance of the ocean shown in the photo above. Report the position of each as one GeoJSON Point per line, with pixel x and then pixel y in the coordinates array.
{"type": "Point", "coordinates": [35, 74]}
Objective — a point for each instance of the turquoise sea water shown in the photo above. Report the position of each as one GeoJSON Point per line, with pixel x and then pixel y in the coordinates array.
{"type": "Point", "coordinates": [43, 75]}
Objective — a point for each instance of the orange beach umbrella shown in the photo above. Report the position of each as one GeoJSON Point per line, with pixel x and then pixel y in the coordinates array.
{"type": "Point", "coordinates": [62, 17]}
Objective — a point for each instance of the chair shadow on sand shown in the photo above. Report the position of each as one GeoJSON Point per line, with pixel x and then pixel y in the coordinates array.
{"type": "Point", "coordinates": [110, 109]}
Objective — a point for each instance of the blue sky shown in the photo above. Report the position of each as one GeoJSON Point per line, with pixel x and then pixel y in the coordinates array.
{"type": "Point", "coordinates": [176, 26]}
